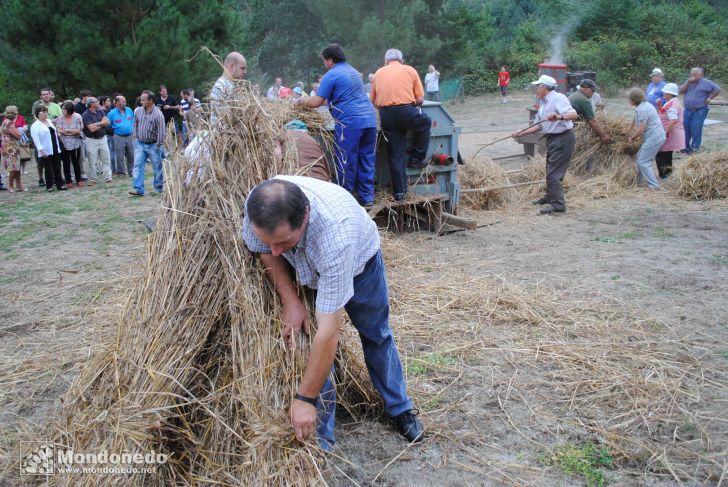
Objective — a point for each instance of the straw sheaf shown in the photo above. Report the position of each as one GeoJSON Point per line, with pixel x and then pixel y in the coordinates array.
{"type": "Point", "coordinates": [198, 368]}
{"type": "Point", "coordinates": [704, 176]}
{"type": "Point", "coordinates": [592, 157]}
{"type": "Point", "coordinates": [483, 172]}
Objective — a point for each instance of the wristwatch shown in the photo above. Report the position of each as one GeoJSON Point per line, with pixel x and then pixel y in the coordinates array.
{"type": "Point", "coordinates": [310, 400]}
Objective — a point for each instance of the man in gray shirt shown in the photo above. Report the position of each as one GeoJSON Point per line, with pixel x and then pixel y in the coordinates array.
{"type": "Point", "coordinates": [554, 117]}
{"type": "Point", "coordinates": [698, 93]}
{"type": "Point", "coordinates": [319, 229]}
{"type": "Point", "coordinates": [149, 132]}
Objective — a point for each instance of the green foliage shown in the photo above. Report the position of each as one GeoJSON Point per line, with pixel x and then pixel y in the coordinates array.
{"type": "Point", "coordinates": [130, 45]}
{"type": "Point", "coordinates": [584, 460]}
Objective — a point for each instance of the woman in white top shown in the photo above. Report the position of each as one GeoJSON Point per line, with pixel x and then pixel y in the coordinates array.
{"type": "Point", "coordinates": [46, 143]}
{"type": "Point", "coordinates": [432, 84]}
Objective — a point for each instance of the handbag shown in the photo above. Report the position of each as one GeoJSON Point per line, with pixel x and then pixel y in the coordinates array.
{"type": "Point", "coordinates": [25, 154]}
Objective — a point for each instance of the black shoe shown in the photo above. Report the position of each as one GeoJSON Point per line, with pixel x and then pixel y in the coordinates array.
{"type": "Point", "coordinates": [416, 164]}
{"type": "Point", "coordinates": [134, 192]}
{"type": "Point", "coordinates": [400, 196]}
{"type": "Point", "coordinates": [541, 201]}
{"type": "Point", "coordinates": [41, 183]}
{"type": "Point", "coordinates": [409, 426]}
{"type": "Point", "coordinates": [549, 210]}
{"type": "Point", "coordinates": [63, 188]}
{"type": "Point", "coordinates": [3, 188]}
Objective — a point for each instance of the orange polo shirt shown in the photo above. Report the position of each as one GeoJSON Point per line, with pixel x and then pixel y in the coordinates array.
{"type": "Point", "coordinates": [396, 84]}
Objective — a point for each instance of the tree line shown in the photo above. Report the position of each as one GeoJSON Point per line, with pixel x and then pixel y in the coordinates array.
{"type": "Point", "coordinates": [128, 46]}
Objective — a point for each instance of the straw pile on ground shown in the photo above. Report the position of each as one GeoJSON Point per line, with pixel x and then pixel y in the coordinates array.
{"type": "Point", "coordinates": [704, 176]}
{"type": "Point", "coordinates": [483, 172]}
{"type": "Point", "coordinates": [198, 369]}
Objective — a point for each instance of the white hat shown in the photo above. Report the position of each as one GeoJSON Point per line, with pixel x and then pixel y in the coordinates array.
{"type": "Point", "coordinates": [670, 88]}
{"type": "Point", "coordinates": [656, 71]}
{"type": "Point", "coordinates": [545, 80]}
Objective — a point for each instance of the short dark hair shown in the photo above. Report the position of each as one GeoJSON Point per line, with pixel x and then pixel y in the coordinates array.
{"type": "Point", "coordinates": [102, 99]}
{"type": "Point", "coordinates": [149, 94]}
{"type": "Point", "coordinates": [275, 202]}
{"type": "Point", "coordinates": [84, 93]}
{"type": "Point", "coordinates": [45, 89]}
{"type": "Point", "coordinates": [38, 109]}
{"type": "Point", "coordinates": [186, 91]}
{"type": "Point", "coordinates": [334, 52]}
{"type": "Point", "coordinates": [162, 87]}
{"type": "Point", "coordinates": [69, 107]}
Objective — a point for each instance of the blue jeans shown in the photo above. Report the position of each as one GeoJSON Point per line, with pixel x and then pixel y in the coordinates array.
{"type": "Point", "coordinates": [693, 124]}
{"type": "Point", "coordinates": [355, 157]}
{"type": "Point", "coordinates": [369, 313]}
{"type": "Point", "coordinates": [141, 153]}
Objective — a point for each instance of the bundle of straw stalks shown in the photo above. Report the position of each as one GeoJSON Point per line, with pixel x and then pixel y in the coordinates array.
{"type": "Point", "coordinates": [483, 172]}
{"type": "Point", "coordinates": [617, 159]}
{"type": "Point", "coordinates": [704, 176]}
{"type": "Point", "coordinates": [198, 369]}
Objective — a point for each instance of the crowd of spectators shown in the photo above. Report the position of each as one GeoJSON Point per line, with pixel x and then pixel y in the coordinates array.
{"type": "Point", "coordinates": [82, 140]}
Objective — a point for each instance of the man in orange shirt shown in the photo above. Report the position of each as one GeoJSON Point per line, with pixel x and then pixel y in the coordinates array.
{"type": "Point", "coordinates": [397, 93]}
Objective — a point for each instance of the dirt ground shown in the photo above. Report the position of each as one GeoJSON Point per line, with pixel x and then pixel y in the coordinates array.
{"type": "Point", "coordinates": [524, 341]}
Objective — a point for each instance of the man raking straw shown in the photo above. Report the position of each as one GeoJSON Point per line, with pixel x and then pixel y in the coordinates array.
{"type": "Point", "coordinates": [555, 115]}
{"type": "Point", "coordinates": [319, 228]}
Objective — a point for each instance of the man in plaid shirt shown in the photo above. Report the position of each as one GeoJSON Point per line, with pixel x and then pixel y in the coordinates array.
{"type": "Point", "coordinates": [319, 228]}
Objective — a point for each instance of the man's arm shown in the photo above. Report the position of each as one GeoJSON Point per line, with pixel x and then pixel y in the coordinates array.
{"type": "Point", "coordinates": [320, 359]}
{"type": "Point", "coordinates": [294, 312]}
{"type": "Point", "coordinates": [94, 127]}
{"type": "Point", "coordinates": [314, 101]}
{"type": "Point", "coordinates": [715, 93]}
{"type": "Point", "coordinates": [161, 129]}
{"type": "Point", "coordinates": [594, 124]}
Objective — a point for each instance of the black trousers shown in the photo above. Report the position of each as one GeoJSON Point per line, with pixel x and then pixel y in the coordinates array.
{"type": "Point", "coordinates": [664, 163]}
{"type": "Point", "coordinates": [559, 148]}
{"type": "Point", "coordinates": [69, 157]}
{"type": "Point", "coordinates": [396, 121]}
{"type": "Point", "coordinates": [52, 167]}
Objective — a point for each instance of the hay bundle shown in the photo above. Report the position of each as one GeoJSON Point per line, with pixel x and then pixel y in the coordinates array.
{"type": "Point", "coordinates": [592, 157]}
{"type": "Point", "coordinates": [198, 370]}
{"type": "Point", "coordinates": [485, 173]}
{"type": "Point", "coordinates": [704, 176]}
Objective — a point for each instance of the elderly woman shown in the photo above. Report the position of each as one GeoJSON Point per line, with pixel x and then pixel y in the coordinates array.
{"type": "Point", "coordinates": [646, 124]}
{"type": "Point", "coordinates": [10, 152]}
{"type": "Point", "coordinates": [69, 126]}
{"type": "Point", "coordinates": [671, 116]}
{"type": "Point", "coordinates": [48, 146]}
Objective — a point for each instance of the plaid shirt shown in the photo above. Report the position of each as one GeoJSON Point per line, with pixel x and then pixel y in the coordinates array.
{"type": "Point", "coordinates": [338, 241]}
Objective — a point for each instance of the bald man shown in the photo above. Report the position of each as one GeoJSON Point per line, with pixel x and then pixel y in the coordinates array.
{"type": "Point", "coordinates": [234, 68]}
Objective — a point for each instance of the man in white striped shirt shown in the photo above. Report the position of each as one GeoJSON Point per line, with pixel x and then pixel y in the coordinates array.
{"type": "Point", "coordinates": [319, 228]}
{"type": "Point", "coordinates": [555, 118]}
{"type": "Point", "coordinates": [149, 132]}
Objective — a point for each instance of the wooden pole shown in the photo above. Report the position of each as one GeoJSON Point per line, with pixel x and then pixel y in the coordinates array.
{"type": "Point", "coordinates": [486, 190]}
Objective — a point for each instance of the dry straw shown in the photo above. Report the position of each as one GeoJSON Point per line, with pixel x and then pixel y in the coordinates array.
{"type": "Point", "coordinates": [483, 172]}
{"type": "Point", "coordinates": [704, 176]}
{"type": "Point", "coordinates": [198, 369]}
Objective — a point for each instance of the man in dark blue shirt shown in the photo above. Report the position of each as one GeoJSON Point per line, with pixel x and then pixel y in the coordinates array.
{"type": "Point", "coordinates": [355, 131]}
